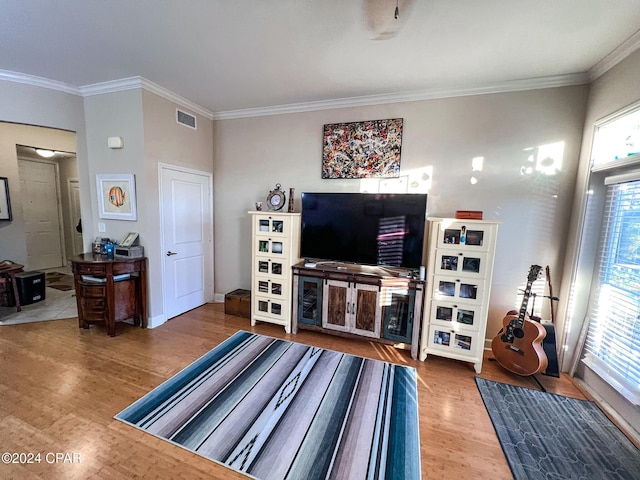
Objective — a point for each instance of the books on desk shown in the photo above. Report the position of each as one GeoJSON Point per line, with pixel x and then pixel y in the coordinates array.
{"type": "Point", "coordinates": [116, 278]}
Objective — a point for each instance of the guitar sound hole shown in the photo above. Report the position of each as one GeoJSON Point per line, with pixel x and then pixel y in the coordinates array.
{"type": "Point", "coordinates": [518, 332]}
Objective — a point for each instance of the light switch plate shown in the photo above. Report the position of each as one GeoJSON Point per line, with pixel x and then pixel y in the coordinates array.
{"type": "Point", "coordinates": [102, 228]}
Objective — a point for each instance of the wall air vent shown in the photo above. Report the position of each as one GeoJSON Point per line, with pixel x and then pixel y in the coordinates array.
{"type": "Point", "coordinates": [186, 119]}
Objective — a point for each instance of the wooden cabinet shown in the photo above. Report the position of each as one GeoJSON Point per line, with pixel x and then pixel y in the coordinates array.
{"type": "Point", "coordinates": [110, 290]}
{"type": "Point", "coordinates": [275, 249]}
{"type": "Point", "coordinates": [351, 307]}
{"type": "Point", "coordinates": [9, 295]}
{"type": "Point", "coordinates": [358, 301]}
{"type": "Point", "coordinates": [459, 274]}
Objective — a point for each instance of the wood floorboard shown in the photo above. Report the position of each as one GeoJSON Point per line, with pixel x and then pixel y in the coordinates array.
{"type": "Point", "coordinates": [60, 387]}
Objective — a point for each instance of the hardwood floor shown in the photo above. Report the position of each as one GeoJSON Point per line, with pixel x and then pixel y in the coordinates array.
{"type": "Point", "coordinates": [60, 387]}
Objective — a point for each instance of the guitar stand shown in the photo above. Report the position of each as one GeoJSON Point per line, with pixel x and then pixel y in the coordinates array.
{"type": "Point", "coordinates": [539, 384]}
{"type": "Point", "coordinates": [491, 359]}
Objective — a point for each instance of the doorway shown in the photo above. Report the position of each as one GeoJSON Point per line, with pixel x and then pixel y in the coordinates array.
{"type": "Point", "coordinates": [75, 225]}
{"type": "Point", "coordinates": [40, 209]}
{"type": "Point", "coordinates": [47, 206]}
{"type": "Point", "coordinates": [186, 224]}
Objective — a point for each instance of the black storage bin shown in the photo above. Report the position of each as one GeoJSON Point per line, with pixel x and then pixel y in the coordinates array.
{"type": "Point", "coordinates": [31, 287]}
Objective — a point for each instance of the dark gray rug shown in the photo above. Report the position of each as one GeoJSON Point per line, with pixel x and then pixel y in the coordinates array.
{"type": "Point", "coordinates": [547, 436]}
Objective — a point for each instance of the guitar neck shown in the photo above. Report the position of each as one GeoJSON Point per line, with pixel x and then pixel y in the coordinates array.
{"type": "Point", "coordinates": [525, 302]}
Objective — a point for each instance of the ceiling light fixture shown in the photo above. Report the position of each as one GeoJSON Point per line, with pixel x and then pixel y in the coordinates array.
{"type": "Point", "coordinates": [396, 14]}
{"type": "Point", "coordinates": [45, 153]}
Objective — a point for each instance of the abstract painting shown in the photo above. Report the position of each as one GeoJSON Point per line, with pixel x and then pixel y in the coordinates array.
{"type": "Point", "coordinates": [116, 196]}
{"type": "Point", "coordinates": [369, 149]}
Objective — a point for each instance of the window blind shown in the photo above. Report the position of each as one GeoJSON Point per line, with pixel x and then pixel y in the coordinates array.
{"type": "Point", "coordinates": [613, 340]}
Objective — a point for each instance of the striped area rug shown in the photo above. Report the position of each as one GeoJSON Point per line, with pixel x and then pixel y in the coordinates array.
{"type": "Point", "coordinates": [275, 409]}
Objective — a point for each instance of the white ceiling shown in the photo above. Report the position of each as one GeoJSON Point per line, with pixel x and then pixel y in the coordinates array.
{"type": "Point", "coordinates": [226, 55]}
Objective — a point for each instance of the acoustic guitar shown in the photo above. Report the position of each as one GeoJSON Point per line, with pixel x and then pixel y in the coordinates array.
{"type": "Point", "coordinates": [518, 345]}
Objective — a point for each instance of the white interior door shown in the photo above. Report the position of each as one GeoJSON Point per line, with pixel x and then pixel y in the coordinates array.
{"type": "Point", "coordinates": [187, 239]}
{"type": "Point", "coordinates": [40, 208]}
{"type": "Point", "coordinates": [74, 215]}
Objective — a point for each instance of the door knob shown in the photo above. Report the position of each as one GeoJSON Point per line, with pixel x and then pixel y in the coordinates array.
{"type": "Point", "coordinates": [169, 253]}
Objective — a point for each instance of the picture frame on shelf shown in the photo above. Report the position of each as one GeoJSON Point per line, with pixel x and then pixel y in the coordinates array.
{"type": "Point", "coordinates": [116, 196]}
{"type": "Point", "coordinates": [129, 240]}
{"type": "Point", "coordinates": [5, 200]}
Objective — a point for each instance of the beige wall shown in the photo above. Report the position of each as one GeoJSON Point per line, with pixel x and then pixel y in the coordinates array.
{"type": "Point", "coordinates": [12, 234]}
{"type": "Point", "coordinates": [31, 105]}
{"type": "Point", "coordinates": [253, 154]}
{"type": "Point", "coordinates": [115, 115]}
{"type": "Point", "coordinates": [167, 142]}
{"type": "Point", "coordinates": [147, 124]}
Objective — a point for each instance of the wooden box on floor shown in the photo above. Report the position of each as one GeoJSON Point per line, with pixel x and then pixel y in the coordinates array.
{"type": "Point", "coordinates": [238, 303]}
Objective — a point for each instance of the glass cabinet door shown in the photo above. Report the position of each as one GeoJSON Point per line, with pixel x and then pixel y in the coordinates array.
{"type": "Point", "coordinates": [310, 300]}
{"type": "Point", "coordinates": [468, 235]}
{"type": "Point", "coordinates": [270, 267]}
{"type": "Point", "coordinates": [272, 307]}
{"type": "Point", "coordinates": [271, 246]}
{"type": "Point", "coordinates": [397, 314]}
{"type": "Point", "coordinates": [268, 286]}
{"type": "Point", "coordinates": [463, 289]}
{"type": "Point", "coordinates": [463, 341]}
{"type": "Point", "coordinates": [272, 225]}
{"type": "Point", "coordinates": [473, 264]}
{"type": "Point", "coordinates": [459, 315]}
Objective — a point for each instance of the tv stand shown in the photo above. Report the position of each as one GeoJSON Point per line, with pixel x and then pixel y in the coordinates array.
{"type": "Point", "coordinates": [360, 301]}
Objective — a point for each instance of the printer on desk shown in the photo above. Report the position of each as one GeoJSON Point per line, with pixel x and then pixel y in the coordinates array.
{"type": "Point", "coordinates": [127, 248]}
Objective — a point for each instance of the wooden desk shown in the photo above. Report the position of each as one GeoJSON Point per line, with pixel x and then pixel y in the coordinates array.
{"type": "Point", "coordinates": [8, 274]}
{"type": "Point", "coordinates": [108, 300]}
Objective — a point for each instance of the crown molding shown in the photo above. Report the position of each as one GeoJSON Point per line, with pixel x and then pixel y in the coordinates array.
{"type": "Point", "coordinates": [112, 86]}
{"type": "Point", "coordinates": [42, 82]}
{"type": "Point", "coordinates": [616, 56]}
{"type": "Point", "coordinates": [133, 83]}
{"type": "Point", "coordinates": [410, 96]}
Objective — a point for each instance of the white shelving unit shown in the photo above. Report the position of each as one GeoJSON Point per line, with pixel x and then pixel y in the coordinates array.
{"type": "Point", "coordinates": [459, 275]}
{"type": "Point", "coordinates": [275, 249]}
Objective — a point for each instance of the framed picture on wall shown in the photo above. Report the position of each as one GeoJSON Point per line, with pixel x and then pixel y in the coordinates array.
{"type": "Point", "coordinates": [5, 200]}
{"type": "Point", "coordinates": [369, 149]}
{"type": "Point", "coordinates": [116, 196]}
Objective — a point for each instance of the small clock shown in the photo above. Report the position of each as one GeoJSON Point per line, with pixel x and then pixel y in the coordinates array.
{"type": "Point", "coordinates": [276, 198]}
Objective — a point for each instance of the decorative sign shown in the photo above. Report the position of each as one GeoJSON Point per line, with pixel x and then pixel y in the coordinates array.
{"type": "Point", "coordinates": [362, 149]}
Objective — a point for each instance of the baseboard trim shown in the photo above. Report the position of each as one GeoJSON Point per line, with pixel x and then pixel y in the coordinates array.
{"type": "Point", "coordinates": [153, 322]}
{"type": "Point", "coordinates": [218, 298]}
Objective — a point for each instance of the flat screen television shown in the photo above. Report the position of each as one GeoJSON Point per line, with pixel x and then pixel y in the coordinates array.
{"type": "Point", "coordinates": [367, 228]}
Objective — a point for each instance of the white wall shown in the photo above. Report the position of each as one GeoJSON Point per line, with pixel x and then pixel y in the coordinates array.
{"type": "Point", "coordinates": [253, 154]}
